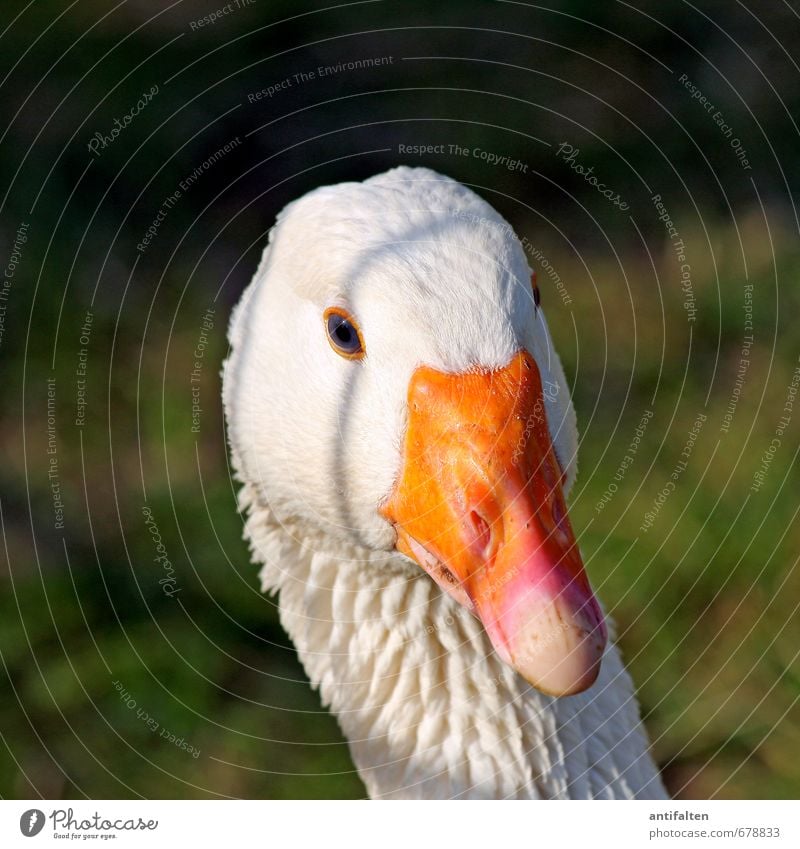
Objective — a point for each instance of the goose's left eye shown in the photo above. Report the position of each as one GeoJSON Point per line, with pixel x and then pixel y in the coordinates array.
{"type": "Point", "coordinates": [344, 334]}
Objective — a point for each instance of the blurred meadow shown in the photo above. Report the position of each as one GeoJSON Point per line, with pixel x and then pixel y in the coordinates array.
{"type": "Point", "coordinates": [122, 678]}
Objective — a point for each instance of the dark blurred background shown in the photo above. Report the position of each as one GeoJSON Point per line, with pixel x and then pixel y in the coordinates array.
{"type": "Point", "coordinates": [123, 678]}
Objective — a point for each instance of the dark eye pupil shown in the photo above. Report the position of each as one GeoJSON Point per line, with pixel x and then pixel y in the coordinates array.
{"type": "Point", "coordinates": [343, 334]}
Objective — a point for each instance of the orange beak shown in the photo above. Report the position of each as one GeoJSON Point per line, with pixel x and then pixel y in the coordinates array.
{"type": "Point", "coordinates": [479, 505]}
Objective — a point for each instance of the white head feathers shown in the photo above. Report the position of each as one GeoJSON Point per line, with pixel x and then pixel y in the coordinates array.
{"type": "Point", "coordinates": [434, 276]}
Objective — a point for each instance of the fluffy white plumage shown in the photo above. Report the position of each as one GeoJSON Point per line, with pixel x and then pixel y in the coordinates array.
{"type": "Point", "coordinates": [435, 277]}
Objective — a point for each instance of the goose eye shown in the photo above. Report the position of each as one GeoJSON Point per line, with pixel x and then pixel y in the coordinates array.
{"type": "Point", "coordinates": [343, 334]}
{"type": "Point", "coordinates": [537, 298]}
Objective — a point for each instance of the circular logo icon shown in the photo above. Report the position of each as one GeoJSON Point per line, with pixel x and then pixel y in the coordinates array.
{"type": "Point", "coordinates": [31, 822]}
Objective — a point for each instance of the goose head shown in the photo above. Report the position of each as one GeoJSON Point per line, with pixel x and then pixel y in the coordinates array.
{"type": "Point", "coordinates": [392, 385]}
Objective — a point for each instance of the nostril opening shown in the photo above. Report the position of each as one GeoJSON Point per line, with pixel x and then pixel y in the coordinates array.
{"type": "Point", "coordinates": [483, 533]}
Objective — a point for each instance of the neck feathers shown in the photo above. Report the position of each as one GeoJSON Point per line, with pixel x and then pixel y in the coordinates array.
{"type": "Point", "coordinates": [428, 708]}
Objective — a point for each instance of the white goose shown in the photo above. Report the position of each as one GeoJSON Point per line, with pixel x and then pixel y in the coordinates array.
{"type": "Point", "coordinates": [394, 402]}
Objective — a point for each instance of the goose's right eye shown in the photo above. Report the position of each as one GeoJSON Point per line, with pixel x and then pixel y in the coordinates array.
{"type": "Point", "coordinates": [344, 334]}
{"type": "Point", "coordinates": [537, 298]}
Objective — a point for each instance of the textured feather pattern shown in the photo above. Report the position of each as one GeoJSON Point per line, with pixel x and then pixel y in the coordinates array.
{"type": "Point", "coordinates": [428, 708]}
{"type": "Point", "coordinates": [434, 276]}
